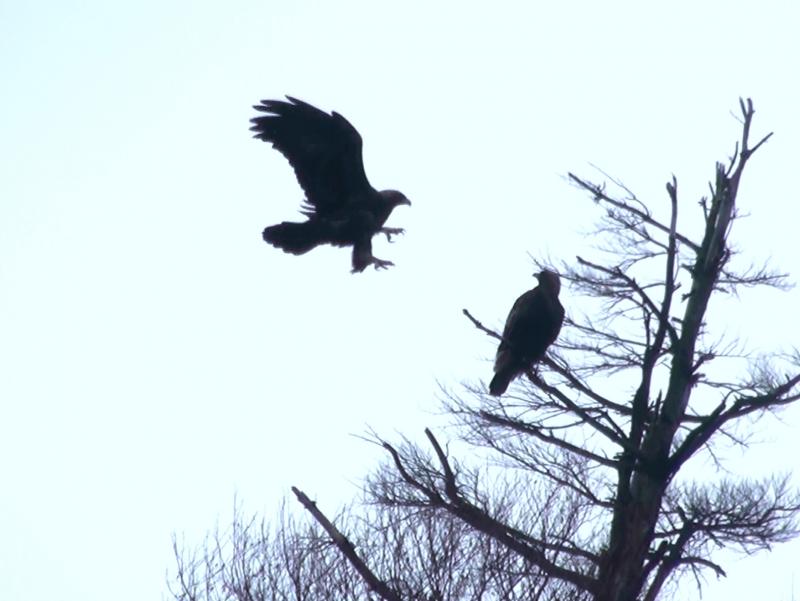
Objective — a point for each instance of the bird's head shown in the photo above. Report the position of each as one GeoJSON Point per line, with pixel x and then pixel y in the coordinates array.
{"type": "Point", "coordinates": [395, 198]}
{"type": "Point", "coordinates": [549, 280]}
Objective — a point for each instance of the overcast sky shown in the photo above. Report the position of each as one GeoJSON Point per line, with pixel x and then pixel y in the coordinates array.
{"type": "Point", "coordinates": [158, 358]}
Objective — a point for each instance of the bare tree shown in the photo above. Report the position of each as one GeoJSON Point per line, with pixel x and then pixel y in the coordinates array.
{"type": "Point", "coordinates": [420, 555]}
{"type": "Point", "coordinates": [588, 497]}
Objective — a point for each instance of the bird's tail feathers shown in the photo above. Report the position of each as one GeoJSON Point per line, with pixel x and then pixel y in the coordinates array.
{"type": "Point", "coordinates": [295, 238]}
{"type": "Point", "coordinates": [505, 369]}
{"type": "Point", "coordinates": [500, 382]}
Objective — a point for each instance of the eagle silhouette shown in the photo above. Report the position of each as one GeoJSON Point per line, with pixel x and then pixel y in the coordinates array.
{"type": "Point", "coordinates": [532, 325]}
{"type": "Point", "coordinates": [341, 207]}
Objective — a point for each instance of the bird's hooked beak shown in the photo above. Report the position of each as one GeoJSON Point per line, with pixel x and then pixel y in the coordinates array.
{"type": "Point", "coordinates": [405, 201]}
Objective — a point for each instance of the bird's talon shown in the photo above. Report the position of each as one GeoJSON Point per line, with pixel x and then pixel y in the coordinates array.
{"type": "Point", "coordinates": [392, 231]}
{"type": "Point", "coordinates": [379, 264]}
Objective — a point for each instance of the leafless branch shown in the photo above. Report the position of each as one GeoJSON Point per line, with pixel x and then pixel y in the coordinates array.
{"type": "Point", "coordinates": [347, 549]}
{"type": "Point", "coordinates": [599, 194]}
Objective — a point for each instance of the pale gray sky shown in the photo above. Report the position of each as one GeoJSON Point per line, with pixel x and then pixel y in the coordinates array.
{"type": "Point", "coordinates": [158, 358]}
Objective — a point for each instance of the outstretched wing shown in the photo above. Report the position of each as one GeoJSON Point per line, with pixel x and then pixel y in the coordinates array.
{"type": "Point", "coordinates": [324, 150]}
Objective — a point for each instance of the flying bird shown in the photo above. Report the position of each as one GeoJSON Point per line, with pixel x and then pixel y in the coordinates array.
{"type": "Point", "coordinates": [532, 325]}
{"type": "Point", "coordinates": [341, 206]}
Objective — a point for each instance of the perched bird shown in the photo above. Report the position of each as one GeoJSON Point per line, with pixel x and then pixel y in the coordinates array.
{"type": "Point", "coordinates": [532, 325]}
{"type": "Point", "coordinates": [342, 208]}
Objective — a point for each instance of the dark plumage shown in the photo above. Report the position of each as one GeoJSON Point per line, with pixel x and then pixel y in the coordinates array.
{"type": "Point", "coordinates": [342, 208]}
{"type": "Point", "coordinates": [532, 325]}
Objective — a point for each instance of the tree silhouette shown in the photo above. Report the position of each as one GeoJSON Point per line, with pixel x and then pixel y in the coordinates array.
{"type": "Point", "coordinates": [586, 495]}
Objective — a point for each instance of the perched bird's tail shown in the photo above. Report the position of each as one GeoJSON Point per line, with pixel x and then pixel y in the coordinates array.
{"type": "Point", "coordinates": [505, 370]}
{"type": "Point", "coordinates": [500, 381]}
{"type": "Point", "coordinates": [295, 238]}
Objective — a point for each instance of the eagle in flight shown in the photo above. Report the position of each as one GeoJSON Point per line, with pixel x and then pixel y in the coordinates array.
{"type": "Point", "coordinates": [532, 325]}
{"type": "Point", "coordinates": [341, 206]}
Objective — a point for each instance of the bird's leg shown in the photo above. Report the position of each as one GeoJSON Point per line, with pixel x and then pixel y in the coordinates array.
{"type": "Point", "coordinates": [534, 376]}
{"type": "Point", "coordinates": [363, 257]}
{"type": "Point", "coordinates": [374, 261]}
{"type": "Point", "coordinates": [392, 231]}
